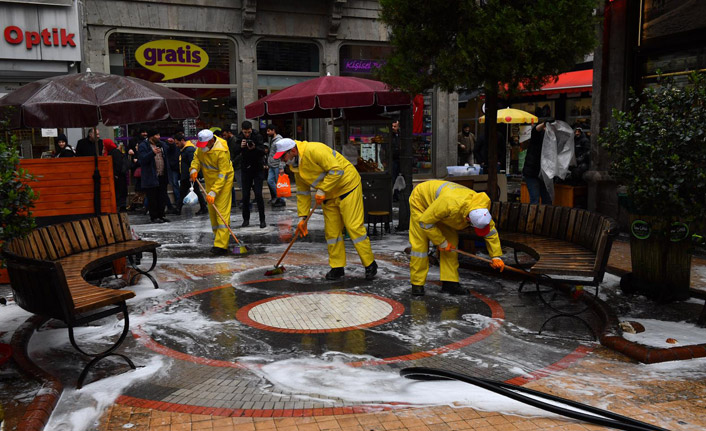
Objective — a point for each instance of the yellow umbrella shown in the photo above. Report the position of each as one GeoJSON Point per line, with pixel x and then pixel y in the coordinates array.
{"type": "Point", "coordinates": [513, 116]}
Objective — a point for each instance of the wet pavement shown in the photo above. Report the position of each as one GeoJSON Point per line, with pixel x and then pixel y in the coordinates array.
{"type": "Point", "coordinates": [220, 345]}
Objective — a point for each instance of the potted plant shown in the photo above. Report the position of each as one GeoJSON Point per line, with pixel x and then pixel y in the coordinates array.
{"type": "Point", "coordinates": [16, 196]}
{"type": "Point", "coordinates": [658, 152]}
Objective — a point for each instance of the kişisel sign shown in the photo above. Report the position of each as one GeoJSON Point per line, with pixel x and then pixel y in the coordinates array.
{"type": "Point", "coordinates": [171, 58]}
{"type": "Point", "coordinates": [40, 32]}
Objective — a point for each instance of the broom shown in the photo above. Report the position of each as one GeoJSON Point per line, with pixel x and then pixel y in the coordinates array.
{"type": "Point", "coordinates": [239, 248]}
{"type": "Point", "coordinates": [277, 270]}
{"type": "Point", "coordinates": [511, 268]}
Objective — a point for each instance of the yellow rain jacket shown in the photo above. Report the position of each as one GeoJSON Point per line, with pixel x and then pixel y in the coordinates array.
{"type": "Point", "coordinates": [217, 171]}
{"type": "Point", "coordinates": [438, 209]}
{"type": "Point", "coordinates": [321, 167]}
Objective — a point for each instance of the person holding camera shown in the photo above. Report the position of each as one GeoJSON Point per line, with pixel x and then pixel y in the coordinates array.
{"type": "Point", "coordinates": [252, 150]}
{"type": "Point", "coordinates": [154, 175]}
{"type": "Point", "coordinates": [531, 172]}
{"type": "Point", "coordinates": [212, 158]}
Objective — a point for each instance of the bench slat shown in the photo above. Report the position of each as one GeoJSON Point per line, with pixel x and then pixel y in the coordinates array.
{"type": "Point", "coordinates": [531, 218]}
{"type": "Point", "coordinates": [97, 231]}
{"type": "Point", "coordinates": [107, 229]}
{"type": "Point", "coordinates": [80, 235]}
{"type": "Point", "coordinates": [56, 241]}
{"type": "Point", "coordinates": [48, 244]}
{"type": "Point", "coordinates": [513, 217]}
{"type": "Point", "coordinates": [117, 228]}
{"type": "Point", "coordinates": [41, 249]}
{"type": "Point", "coordinates": [70, 236]}
{"type": "Point", "coordinates": [88, 230]}
{"type": "Point", "coordinates": [504, 216]}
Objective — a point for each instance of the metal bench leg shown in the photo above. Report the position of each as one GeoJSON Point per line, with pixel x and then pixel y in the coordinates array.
{"type": "Point", "coordinates": [145, 273]}
{"type": "Point", "coordinates": [108, 352]}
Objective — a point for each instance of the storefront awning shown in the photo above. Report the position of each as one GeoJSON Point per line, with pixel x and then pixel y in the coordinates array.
{"type": "Point", "coordinates": [569, 82]}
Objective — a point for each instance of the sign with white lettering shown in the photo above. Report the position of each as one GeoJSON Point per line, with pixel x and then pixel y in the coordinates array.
{"type": "Point", "coordinates": [171, 58]}
{"type": "Point", "coordinates": [33, 32]}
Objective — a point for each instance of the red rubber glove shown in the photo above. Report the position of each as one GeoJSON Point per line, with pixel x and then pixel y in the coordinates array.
{"type": "Point", "coordinates": [194, 175]}
{"type": "Point", "coordinates": [498, 264]}
{"type": "Point", "coordinates": [445, 246]}
{"type": "Point", "coordinates": [302, 230]}
{"type": "Point", "coordinates": [320, 196]}
{"type": "Point", "coordinates": [210, 199]}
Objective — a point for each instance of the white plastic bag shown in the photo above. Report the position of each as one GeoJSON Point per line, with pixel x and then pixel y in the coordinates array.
{"type": "Point", "coordinates": [191, 198]}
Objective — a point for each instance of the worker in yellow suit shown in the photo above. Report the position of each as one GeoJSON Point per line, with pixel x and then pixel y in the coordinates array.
{"type": "Point", "coordinates": [212, 158]}
{"type": "Point", "coordinates": [437, 210]}
{"type": "Point", "coordinates": [338, 191]}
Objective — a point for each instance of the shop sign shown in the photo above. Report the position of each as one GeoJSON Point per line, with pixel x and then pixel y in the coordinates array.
{"type": "Point", "coordinates": [641, 229]}
{"type": "Point", "coordinates": [171, 58]}
{"type": "Point", "coordinates": [361, 65]}
{"type": "Point", "coordinates": [33, 32]}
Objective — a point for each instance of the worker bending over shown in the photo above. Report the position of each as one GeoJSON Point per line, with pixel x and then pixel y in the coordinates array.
{"type": "Point", "coordinates": [437, 210]}
{"type": "Point", "coordinates": [338, 191]}
{"type": "Point", "coordinates": [213, 159]}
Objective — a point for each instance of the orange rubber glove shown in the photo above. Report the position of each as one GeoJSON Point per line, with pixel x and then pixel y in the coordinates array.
{"type": "Point", "coordinates": [194, 175]}
{"type": "Point", "coordinates": [445, 246]}
{"type": "Point", "coordinates": [302, 230]}
{"type": "Point", "coordinates": [497, 263]}
{"type": "Point", "coordinates": [210, 199]}
{"type": "Point", "coordinates": [320, 196]}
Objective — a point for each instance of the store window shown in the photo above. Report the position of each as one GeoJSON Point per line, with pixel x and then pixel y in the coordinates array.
{"type": "Point", "coordinates": [542, 109]}
{"type": "Point", "coordinates": [362, 60]}
{"type": "Point", "coordinates": [281, 64]}
{"type": "Point", "coordinates": [422, 134]}
{"type": "Point", "coordinates": [198, 67]}
{"type": "Point", "coordinates": [578, 112]}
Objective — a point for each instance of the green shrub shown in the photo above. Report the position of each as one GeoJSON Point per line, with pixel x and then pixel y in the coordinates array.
{"type": "Point", "coordinates": [16, 196]}
{"type": "Point", "coordinates": [658, 149]}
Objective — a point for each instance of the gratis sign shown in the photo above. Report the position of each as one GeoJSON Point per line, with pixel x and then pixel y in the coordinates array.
{"type": "Point", "coordinates": [171, 58]}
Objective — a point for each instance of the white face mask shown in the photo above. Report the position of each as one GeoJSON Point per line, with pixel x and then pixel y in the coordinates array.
{"type": "Point", "coordinates": [205, 149]}
{"type": "Point", "coordinates": [294, 161]}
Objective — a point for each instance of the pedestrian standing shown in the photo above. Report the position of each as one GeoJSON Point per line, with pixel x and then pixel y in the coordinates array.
{"type": "Point", "coordinates": [120, 170]}
{"type": "Point", "coordinates": [187, 150]}
{"type": "Point", "coordinates": [213, 160]}
{"type": "Point", "coordinates": [275, 167]}
{"type": "Point", "coordinates": [252, 152]}
{"type": "Point", "coordinates": [63, 149]}
{"type": "Point", "coordinates": [154, 175]}
{"type": "Point", "coordinates": [531, 172]}
{"type": "Point", "coordinates": [338, 191]}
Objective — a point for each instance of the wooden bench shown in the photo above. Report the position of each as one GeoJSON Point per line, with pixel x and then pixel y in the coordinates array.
{"type": "Point", "coordinates": [48, 266]}
{"type": "Point", "coordinates": [565, 243]}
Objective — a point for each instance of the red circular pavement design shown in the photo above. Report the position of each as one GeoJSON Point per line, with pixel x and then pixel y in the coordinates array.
{"type": "Point", "coordinates": [496, 313]}
{"type": "Point", "coordinates": [140, 335]}
{"type": "Point", "coordinates": [243, 314]}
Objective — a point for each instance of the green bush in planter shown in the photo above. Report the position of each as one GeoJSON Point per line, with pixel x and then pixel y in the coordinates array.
{"type": "Point", "coordinates": [658, 152]}
{"type": "Point", "coordinates": [658, 149]}
{"type": "Point", "coordinates": [16, 197]}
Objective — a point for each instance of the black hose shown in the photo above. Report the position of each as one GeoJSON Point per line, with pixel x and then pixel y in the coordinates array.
{"type": "Point", "coordinates": [599, 416]}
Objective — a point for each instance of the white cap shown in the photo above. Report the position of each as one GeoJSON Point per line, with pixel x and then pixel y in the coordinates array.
{"type": "Point", "coordinates": [205, 137]}
{"type": "Point", "coordinates": [283, 145]}
{"type": "Point", "coordinates": [480, 218]}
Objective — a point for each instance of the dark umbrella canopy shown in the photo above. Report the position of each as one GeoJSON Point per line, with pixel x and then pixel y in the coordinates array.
{"type": "Point", "coordinates": [317, 97]}
{"type": "Point", "coordinates": [87, 99]}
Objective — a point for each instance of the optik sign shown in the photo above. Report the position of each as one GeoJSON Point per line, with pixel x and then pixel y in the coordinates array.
{"type": "Point", "coordinates": [171, 58]}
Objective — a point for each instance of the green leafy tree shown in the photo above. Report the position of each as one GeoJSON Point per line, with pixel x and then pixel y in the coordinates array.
{"type": "Point", "coordinates": [16, 196]}
{"type": "Point", "coordinates": [487, 44]}
{"type": "Point", "coordinates": [658, 149]}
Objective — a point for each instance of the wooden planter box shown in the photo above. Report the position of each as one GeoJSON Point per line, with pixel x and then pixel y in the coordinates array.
{"type": "Point", "coordinates": [65, 188]}
{"type": "Point", "coordinates": [661, 268]}
{"type": "Point", "coordinates": [564, 195]}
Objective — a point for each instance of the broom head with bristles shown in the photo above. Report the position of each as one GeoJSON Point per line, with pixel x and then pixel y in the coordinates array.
{"type": "Point", "coordinates": [240, 249]}
{"type": "Point", "coordinates": [277, 270]}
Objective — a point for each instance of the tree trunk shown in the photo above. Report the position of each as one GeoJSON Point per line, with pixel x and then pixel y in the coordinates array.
{"type": "Point", "coordinates": [491, 135]}
{"type": "Point", "coordinates": [661, 268]}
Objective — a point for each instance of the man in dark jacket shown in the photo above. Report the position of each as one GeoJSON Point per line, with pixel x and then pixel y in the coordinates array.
{"type": "Point", "coordinates": [532, 167]}
{"type": "Point", "coordinates": [252, 150]}
{"type": "Point", "coordinates": [87, 146]}
{"type": "Point", "coordinates": [172, 153]}
{"type": "Point", "coordinates": [120, 170]}
{"type": "Point", "coordinates": [228, 136]}
{"type": "Point", "coordinates": [187, 150]}
{"type": "Point", "coordinates": [154, 175]}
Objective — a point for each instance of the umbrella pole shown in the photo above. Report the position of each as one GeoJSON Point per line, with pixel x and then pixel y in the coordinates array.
{"type": "Point", "coordinates": [96, 179]}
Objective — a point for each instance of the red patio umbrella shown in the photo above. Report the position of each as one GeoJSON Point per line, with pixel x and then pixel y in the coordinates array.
{"type": "Point", "coordinates": [317, 98]}
{"type": "Point", "coordinates": [87, 99]}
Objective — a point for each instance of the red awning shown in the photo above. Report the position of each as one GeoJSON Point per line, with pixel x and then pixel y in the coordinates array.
{"type": "Point", "coordinates": [569, 82]}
